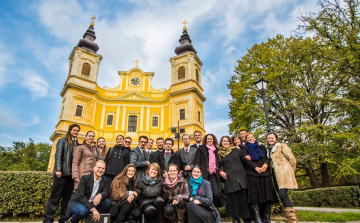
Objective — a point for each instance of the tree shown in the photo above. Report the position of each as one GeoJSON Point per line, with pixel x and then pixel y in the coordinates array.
{"type": "Point", "coordinates": [25, 156]}
{"type": "Point", "coordinates": [305, 94]}
{"type": "Point", "coordinates": [338, 24]}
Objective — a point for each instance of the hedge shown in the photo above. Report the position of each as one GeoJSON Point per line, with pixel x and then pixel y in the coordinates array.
{"type": "Point", "coordinates": [24, 193]}
{"type": "Point", "coordinates": [346, 196]}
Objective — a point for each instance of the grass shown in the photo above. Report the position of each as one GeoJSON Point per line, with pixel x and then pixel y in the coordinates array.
{"type": "Point", "coordinates": [327, 217]}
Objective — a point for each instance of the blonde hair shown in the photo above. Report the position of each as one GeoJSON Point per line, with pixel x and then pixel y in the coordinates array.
{"type": "Point", "coordinates": [156, 167]}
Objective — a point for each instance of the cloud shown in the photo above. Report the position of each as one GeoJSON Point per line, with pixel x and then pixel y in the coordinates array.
{"type": "Point", "coordinates": [219, 126]}
{"type": "Point", "coordinates": [6, 59]}
{"type": "Point", "coordinates": [34, 83]}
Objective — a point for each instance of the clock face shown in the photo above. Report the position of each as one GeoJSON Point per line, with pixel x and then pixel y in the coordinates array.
{"type": "Point", "coordinates": [135, 81]}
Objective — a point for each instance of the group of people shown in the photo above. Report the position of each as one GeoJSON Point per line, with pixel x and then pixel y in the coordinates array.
{"type": "Point", "coordinates": [169, 186]}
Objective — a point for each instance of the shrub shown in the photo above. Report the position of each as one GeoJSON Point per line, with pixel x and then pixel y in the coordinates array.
{"type": "Point", "coordinates": [327, 197]}
{"type": "Point", "coordinates": [24, 193]}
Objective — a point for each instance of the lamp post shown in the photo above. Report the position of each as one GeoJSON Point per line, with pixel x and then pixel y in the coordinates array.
{"type": "Point", "coordinates": [261, 85]}
{"type": "Point", "coordinates": [177, 132]}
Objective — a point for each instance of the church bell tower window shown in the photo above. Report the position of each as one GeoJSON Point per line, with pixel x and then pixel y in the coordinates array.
{"type": "Point", "coordinates": [79, 110]}
{"type": "Point", "coordinates": [197, 75]}
{"type": "Point", "coordinates": [181, 72]}
{"type": "Point", "coordinates": [86, 69]}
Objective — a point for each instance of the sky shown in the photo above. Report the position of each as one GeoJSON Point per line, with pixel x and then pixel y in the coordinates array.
{"type": "Point", "coordinates": [37, 37]}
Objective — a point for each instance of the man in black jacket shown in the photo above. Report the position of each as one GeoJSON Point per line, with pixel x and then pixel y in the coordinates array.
{"type": "Point", "coordinates": [160, 148]}
{"type": "Point", "coordinates": [167, 156]}
{"type": "Point", "coordinates": [63, 184]}
{"type": "Point", "coordinates": [91, 196]}
{"type": "Point", "coordinates": [198, 139]}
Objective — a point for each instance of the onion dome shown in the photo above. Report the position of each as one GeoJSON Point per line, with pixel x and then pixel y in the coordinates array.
{"type": "Point", "coordinates": [185, 43]}
{"type": "Point", "coordinates": [88, 39]}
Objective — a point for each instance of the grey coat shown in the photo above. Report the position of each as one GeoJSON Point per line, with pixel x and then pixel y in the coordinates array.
{"type": "Point", "coordinates": [139, 160]}
{"type": "Point", "coordinates": [187, 159]}
{"type": "Point", "coordinates": [206, 197]}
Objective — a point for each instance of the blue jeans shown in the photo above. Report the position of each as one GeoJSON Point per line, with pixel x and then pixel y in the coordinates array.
{"type": "Point", "coordinates": [80, 211]}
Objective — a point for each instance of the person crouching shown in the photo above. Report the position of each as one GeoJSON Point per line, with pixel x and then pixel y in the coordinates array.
{"type": "Point", "coordinates": [91, 196]}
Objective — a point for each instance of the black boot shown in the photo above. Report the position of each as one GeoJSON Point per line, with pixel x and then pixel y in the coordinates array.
{"type": "Point", "coordinates": [266, 213]}
{"type": "Point", "coordinates": [247, 220]}
{"type": "Point", "coordinates": [256, 209]}
{"type": "Point", "coordinates": [236, 220]}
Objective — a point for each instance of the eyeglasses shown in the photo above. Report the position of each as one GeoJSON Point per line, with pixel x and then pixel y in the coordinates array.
{"type": "Point", "coordinates": [127, 141]}
{"type": "Point", "coordinates": [143, 141]}
{"type": "Point", "coordinates": [168, 144]}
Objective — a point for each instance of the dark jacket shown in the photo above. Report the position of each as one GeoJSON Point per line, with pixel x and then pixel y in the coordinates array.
{"type": "Point", "coordinates": [63, 157]}
{"type": "Point", "coordinates": [205, 197]}
{"type": "Point", "coordinates": [84, 191]}
{"type": "Point", "coordinates": [148, 193]}
{"type": "Point", "coordinates": [251, 165]}
{"type": "Point", "coordinates": [116, 159]}
{"type": "Point", "coordinates": [234, 168]}
{"type": "Point", "coordinates": [153, 156]}
{"type": "Point", "coordinates": [174, 158]}
{"type": "Point", "coordinates": [179, 192]}
{"type": "Point", "coordinates": [202, 160]}
{"type": "Point", "coordinates": [139, 160]}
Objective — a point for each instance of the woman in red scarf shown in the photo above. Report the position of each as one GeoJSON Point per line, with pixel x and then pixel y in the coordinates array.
{"type": "Point", "coordinates": [208, 159]}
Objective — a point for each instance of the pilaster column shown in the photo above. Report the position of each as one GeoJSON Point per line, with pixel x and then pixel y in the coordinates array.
{"type": "Point", "coordinates": [123, 118]}
{"type": "Point", "coordinates": [117, 118]}
{"type": "Point", "coordinates": [162, 119]}
{"type": "Point", "coordinates": [141, 118]}
{"type": "Point", "coordinates": [102, 117]}
{"type": "Point", "coordinates": [148, 121]}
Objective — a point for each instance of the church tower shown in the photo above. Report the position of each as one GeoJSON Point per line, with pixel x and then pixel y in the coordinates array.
{"type": "Point", "coordinates": [186, 91]}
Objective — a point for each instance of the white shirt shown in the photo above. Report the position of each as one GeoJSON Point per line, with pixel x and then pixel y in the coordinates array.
{"type": "Point", "coordinates": [95, 189]}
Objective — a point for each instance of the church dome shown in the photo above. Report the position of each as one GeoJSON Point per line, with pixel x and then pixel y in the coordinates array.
{"type": "Point", "coordinates": [185, 44]}
{"type": "Point", "coordinates": [88, 40]}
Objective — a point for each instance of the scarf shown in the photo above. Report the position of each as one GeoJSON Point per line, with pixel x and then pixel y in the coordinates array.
{"type": "Point", "coordinates": [152, 181]}
{"type": "Point", "coordinates": [169, 183]}
{"type": "Point", "coordinates": [195, 184]}
{"type": "Point", "coordinates": [212, 160]}
{"type": "Point", "coordinates": [254, 150]}
{"type": "Point", "coordinates": [224, 151]}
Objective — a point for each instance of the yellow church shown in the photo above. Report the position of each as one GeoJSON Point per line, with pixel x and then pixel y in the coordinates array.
{"type": "Point", "coordinates": [133, 107]}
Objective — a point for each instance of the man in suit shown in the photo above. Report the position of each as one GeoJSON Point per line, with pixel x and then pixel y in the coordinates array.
{"type": "Point", "coordinates": [198, 139]}
{"type": "Point", "coordinates": [137, 157]}
{"type": "Point", "coordinates": [160, 148]}
{"type": "Point", "coordinates": [148, 147]}
{"type": "Point", "coordinates": [167, 156]}
{"type": "Point", "coordinates": [187, 157]}
{"type": "Point", "coordinates": [91, 196]}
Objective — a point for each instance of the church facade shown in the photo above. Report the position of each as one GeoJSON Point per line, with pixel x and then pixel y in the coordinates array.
{"type": "Point", "coordinates": [133, 107]}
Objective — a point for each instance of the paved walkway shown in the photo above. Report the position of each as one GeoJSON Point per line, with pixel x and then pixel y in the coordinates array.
{"type": "Point", "coordinates": [329, 210]}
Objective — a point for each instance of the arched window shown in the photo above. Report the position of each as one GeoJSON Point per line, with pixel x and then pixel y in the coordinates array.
{"type": "Point", "coordinates": [181, 72]}
{"type": "Point", "coordinates": [86, 69]}
{"type": "Point", "coordinates": [197, 75]}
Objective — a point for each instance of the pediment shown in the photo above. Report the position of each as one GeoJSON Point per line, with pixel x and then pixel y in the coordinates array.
{"type": "Point", "coordinates": [134, 96]}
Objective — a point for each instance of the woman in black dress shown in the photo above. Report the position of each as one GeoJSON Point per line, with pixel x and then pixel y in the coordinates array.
{"type": "Point", "coordinates": [123, 194]}
{"type": "Point", "coordinates": [200, 208]}
{"type": "Point", "coordinates": [208, 159]}
{"type": "Point", "coordinates": [234, 174]}
{"type": "Point", "coordinates": [261, 191]}
{"type": "Point", "coordinates": [150, 193]}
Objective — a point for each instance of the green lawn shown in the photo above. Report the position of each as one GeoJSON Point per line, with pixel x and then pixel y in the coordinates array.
{"type": "Point", "coordinates": [327, 217]}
